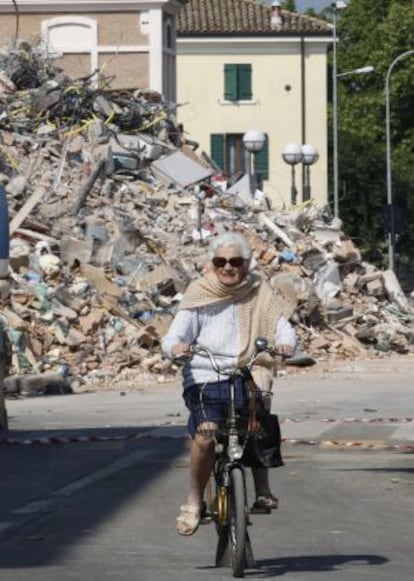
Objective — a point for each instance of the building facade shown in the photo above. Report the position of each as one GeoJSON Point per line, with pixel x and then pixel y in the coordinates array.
{"type": "Point", "coordinates": [131, 42]}
{"type": "Point", "coordinates": [245, 66]}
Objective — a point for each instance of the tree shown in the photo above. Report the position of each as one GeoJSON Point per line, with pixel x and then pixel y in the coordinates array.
{"type": "Point", "coordinates": [311, 12]}
{"type": "Point", "coordinates": [289, 5]}
{"type": "Point", "coordinates": [375, 33]}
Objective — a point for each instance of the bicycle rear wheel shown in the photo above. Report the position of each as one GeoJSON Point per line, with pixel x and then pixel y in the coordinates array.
{"type": "Point", "coordinates": [237, 526]}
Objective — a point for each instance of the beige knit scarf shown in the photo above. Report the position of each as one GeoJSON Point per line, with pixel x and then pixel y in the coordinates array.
{"type": "Point", "coordinates": [258, 308]}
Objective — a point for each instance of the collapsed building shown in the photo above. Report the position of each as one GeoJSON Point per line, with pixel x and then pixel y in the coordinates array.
{"type": "Point", "coordinates": [110, 210]}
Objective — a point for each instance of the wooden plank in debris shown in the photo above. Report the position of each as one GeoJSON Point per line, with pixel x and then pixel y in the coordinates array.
{"type": "Point", "coordinates": [97, 277]}
{"type": "Point", "coordinates": [110, 303]}
{"type": "Point", "coordinates": [270, 225]}
{"type": "Point", "coordinates": [31, 235]}
{"type": "Point", "coordinates": [88, 185]}
{"type": "Point", "coordinates": [31, 359]}
{"type": "Point", "coordinates": [25, 210]}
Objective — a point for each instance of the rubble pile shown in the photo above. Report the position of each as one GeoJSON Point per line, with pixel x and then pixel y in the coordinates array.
{"type": "Point", "coordinates": [111, 209]}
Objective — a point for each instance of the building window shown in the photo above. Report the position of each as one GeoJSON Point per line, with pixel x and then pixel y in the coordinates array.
{"type": "Point", "coordinates": [228, 152]}
{"type": "Point", "coordinates": [238, 82]}
{"type": "Point", "coordinates": [76, 38]}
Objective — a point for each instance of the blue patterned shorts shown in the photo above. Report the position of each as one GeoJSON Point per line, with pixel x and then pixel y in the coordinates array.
{"type": "Point", "coordinates": [208, 402]}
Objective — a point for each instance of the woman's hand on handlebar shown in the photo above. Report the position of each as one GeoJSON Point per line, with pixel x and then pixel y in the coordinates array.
{"type": "Point", "coordinates": [285, 350]}
{"type": "Point", "coordinates": [181, 350]}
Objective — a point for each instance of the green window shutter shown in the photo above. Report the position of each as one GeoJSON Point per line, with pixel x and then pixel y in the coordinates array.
{"type": "Point", "coordinates": [262, 161]}
{"type": "Point", "coordinates": [230, 82]}
{"type": "Point", "coordinates": [217, 149]}
{"type": "Point", "coordinates": [244, 82]}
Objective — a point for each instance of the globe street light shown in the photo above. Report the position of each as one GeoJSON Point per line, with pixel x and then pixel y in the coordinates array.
{"type": "Point", "coordinates": [292, 154]}
{"type": "Point", "coordinates": [310, 156]}
{"type": "Point", "coordinates": [253, 141]}
{"type": "Point", "coordinates": [390, 207]}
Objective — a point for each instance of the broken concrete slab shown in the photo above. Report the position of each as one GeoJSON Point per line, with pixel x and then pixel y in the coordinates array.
{"type": "Point", "coordinates": [327, 282]}
{"type": "Point", "coordinates": [162, 275]}
{"type": "Point", "coordinates": [73, 250]}
{"type": "Point", "coordinates": [45, 383]}
{"type": "Point", "coordinates": [178, 169]}
{"type": "Point", "coordinates": [394, 291]}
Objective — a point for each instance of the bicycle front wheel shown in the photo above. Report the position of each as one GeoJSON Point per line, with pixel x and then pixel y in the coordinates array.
{"type": "Point", "coordinates": [237, 521]}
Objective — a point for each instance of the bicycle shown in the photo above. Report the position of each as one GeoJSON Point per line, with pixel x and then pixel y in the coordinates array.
{"type": "Point", "coordinates": [228, 507]}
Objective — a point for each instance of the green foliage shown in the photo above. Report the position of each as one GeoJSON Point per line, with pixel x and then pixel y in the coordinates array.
{"type": "Point", "coordinates": [376, 33]}
{"type": "Point", "coordinates": [289, 5]}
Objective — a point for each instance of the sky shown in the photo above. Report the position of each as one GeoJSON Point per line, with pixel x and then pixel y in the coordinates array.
{"type": "Point", "coordinates": [302, 5]}
{"type": "Point", "coordinates": [318, 5]}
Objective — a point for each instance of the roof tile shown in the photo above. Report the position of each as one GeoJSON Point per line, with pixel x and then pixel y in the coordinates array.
{"type": "Point", "coordinates": [218, 17]}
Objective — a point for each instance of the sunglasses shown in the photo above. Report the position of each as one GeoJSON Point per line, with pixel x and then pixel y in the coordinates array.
{"type": "Point", "coordinates": [234, 261]}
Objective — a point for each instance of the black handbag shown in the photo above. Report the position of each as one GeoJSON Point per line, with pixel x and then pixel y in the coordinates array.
{"type": "Point", "coordinates": [263, 446]}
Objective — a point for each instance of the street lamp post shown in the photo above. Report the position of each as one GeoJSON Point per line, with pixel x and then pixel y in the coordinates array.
{"type": "Point", "coordinates": [390, 207]}
{"type": "Point", "coordinates": [292, 154]}
{"type": "Point", "coordinates": [310, 156]}
{"type": "Point", "coordinates": [335, 6]}
{"type": "Point", "coordinates": [359, 71]}
{"type": "Point", "coordinates": [253, 141]}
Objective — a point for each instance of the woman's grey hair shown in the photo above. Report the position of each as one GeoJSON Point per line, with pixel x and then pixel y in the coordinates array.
{"type": "Point", "coordinates": [231, 239]}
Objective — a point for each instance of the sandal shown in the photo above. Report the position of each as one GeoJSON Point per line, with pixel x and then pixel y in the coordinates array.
{"type": "Point", "coordinates": [265, 503]}
{"type": "Point", "coordinates": [188, 520]}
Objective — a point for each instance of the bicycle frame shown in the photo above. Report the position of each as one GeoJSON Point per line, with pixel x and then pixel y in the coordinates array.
{"type": "Point", "coordinates": [229, 509]}
{"type": "Point", "coordinates": [227, 457]}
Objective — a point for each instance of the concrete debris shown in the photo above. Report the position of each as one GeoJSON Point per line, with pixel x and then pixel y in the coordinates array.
{"type": "Point", "coordinates": [110, 211]}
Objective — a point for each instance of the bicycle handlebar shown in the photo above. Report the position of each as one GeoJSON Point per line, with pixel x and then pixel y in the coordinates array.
{"type": "Point", "coordinates": [261, 346]}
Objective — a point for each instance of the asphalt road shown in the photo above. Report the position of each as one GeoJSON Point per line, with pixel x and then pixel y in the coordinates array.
{"type": "Point", "coordinates": [91, 485]}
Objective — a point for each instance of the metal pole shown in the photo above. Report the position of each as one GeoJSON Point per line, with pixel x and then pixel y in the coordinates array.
{"type": "Point", "coordinates": [306, 186]}
{"type": "Point", "coordinates": [335, 120]}
{"type": "Point", "coordinates": [294, 193]}
{"type": "Point", "coordinates": [4, 234]}
{"type": "Point", "coordinates": [253, 179]}
{"type": "Point", "coordinates": [390, 206]}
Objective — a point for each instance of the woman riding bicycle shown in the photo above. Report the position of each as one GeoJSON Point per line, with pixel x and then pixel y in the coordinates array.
{"type": "Point", "coordinates": [225, 311]}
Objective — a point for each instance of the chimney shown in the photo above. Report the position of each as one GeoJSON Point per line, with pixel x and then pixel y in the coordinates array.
{"type": "Point", "coordinates": [276, 19]}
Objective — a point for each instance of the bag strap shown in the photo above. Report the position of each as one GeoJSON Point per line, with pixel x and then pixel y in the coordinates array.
{"type": "Point", "coordinates": [253, 423]}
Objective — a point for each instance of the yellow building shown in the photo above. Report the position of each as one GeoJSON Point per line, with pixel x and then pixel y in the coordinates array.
{"type": "Point", "coordinates": [242, 66]}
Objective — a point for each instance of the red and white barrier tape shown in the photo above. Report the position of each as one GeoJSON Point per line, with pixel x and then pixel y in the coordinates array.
{"type": "Point", "coordinates": [72, 439]}
{"type": "Point", "coordinates": [352, 420]}
{"type": "Point", "coordinates": [341, 444]}
{"type": "Point", "coordinates": [328, 444]}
